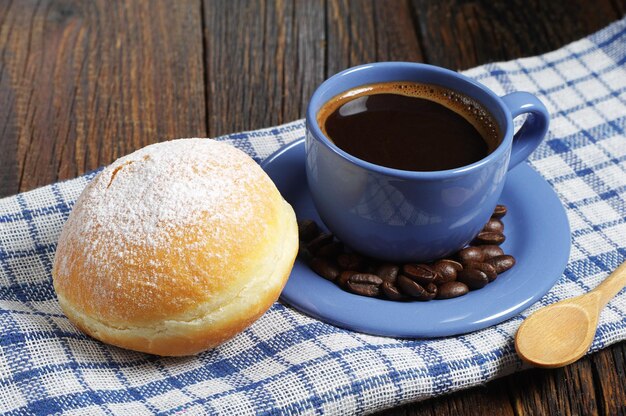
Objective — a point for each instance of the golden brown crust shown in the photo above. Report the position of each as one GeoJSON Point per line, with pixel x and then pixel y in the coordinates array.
{"type": "Point", "coordinates": [175, 249]}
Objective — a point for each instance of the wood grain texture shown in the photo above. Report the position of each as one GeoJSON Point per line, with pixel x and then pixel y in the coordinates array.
{"type": "Point", "coordinates": [463, 34]}
{"type": "Point", "coordinates": [609, 371]}
{"type": "Point", "coordinates": [304, 63]}
{"type": "Point", "coordinates": [351, 34]}
{"type": "Point", "coordinates": [83, 83]}
{"type": "Point", "coordinates": [363, 31]}
{"type": "Point", "coordinates": [565, 391]}
{"type": "Point", "coordinates": [396, 32]}
{"type": "Point", "coordinates": [264, 59]}
{"type": "Point", "coordinates": [9, 166]}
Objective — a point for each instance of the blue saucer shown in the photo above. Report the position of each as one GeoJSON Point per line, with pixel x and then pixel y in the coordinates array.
{"type": "Point", "coordinates": [538, 236]}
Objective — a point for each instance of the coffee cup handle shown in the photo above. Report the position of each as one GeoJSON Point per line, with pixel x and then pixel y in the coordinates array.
{"type": "Point", "coordinates": [534, 128]}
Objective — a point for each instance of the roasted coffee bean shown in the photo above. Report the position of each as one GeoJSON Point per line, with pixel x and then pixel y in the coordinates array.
{"type": "Point", "coordinates": [457, 266]}
{"type": "Point", "coordinates": [411, 288]}
{"type": "Point", "coordinates": [470, 254]}
{"type": "Point", "coordinates": [325, 268]}
{"type": "Point", "coordinates": [390, 291]}
{"type": "Point", "coordinates": [473, 278]}
{"type": "Point", "coordinates": [446, 270]}
{"type": "Point", "coordinates": [318, 242]}
{"type": "Point", "coordinates": [499, 211]}
{"type": "Point", "coordinates": [363, 290]}
{"type": "Point", "coordinates": [488, 237]}
{"type": "Point", "coordinates": [452, 290]}
{"type": "Point", "coordinates": [420, 273]}
{"type": "Point", "coordinates": [494, 225]}
{"type": "Point", "coordinates": [330, 250]}
{"type": "Point", "coordinates": [484, 267]}
{"type": "Point", "coordinates": [308, 230]}
{"type": "Point", "coordinates": [491, 250]}
{"type": "Point", "coordinates": [350, 261]}
{"type": "Point", "coordinates": [477, 265]}
{"type": "Point", "coordinates": [502, 263]}
{"type": "Point", "coordinates": [366, 278]}
{"type": "Point", "coordinates": [431, 291]}
{"type": "Point", "coordinates": [344, 277]}
{"type": "Point", "coordinates": [364, 284]}
{"type": "Point", "coordinates": [388, 272]}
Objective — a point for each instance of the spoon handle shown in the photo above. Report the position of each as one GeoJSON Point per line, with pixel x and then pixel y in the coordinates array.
{"type": "Point", "coordinates": [612, 284]}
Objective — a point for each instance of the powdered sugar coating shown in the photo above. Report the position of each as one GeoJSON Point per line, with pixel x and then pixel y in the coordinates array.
{"type": "Point", "coordinates": [167, 186]}
{"type": "Point", "coordinates": [165, 210]}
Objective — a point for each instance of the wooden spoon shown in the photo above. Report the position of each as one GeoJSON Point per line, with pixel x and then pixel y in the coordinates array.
{"type": "Point", "coordinates": [561, 333]}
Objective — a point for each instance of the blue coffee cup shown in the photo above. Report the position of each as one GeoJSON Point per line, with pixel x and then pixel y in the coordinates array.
{"type": "Point", "coordinates": [400, 215]}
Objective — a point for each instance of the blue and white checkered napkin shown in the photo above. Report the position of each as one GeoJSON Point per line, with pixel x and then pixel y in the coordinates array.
{"type": "Point", "coordinates": [290, 363]}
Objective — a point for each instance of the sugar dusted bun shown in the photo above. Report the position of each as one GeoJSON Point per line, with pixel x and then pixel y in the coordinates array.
{"type": "Point", "coordinates": [175, 248]}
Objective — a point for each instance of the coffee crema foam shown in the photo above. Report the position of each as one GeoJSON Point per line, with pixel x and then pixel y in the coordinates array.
{"type": "Point", "coordinates": [470, 109]}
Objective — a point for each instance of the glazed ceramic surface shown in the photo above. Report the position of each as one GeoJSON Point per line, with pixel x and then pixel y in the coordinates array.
{"type": "Point", "coordinates": [406, 215]}
{"type": "Point", "coordinates": [538, 236]}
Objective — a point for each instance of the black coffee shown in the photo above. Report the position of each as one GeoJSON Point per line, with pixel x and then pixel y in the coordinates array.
{"type": "Point", "coordinates": [410, 126]}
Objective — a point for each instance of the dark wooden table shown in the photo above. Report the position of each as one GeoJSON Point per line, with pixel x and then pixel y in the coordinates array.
{"type": "Point", "coordinates": [84, 82]}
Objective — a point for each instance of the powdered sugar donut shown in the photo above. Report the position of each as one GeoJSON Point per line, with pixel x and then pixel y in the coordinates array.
{"type": "Point", "coordinates": [175, 248]}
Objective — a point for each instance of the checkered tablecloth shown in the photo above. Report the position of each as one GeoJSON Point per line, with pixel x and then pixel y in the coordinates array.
{"type": "Point", "coordinates": [288, 363]}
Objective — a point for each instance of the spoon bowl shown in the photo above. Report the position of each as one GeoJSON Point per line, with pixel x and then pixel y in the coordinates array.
{"type": "Point", "coordinates": [556, 335]}
{"type": "Point", "coordinates": [561, 333]}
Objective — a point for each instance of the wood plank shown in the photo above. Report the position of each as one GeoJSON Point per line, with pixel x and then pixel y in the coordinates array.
{"type": "Point", "coordinates": [84, 83]}
{"type": "Point", "coordinates": [264, 59]}
{"type": "Point", "coordinates": [609, 369]}
{"type": "Point", "coordinates": [396, 35]}
{"type": "Point", "coordinates": [9, 166]}
{"type": "Point", "coordinates": [565, 391]}
{"type": "Point", "coordinates": [351, 34]}
{"type": "Point", "coordinates": [363, 31]}
{"type": "Point", "coordinates": [304, 58]}
{"type": "Point", "coordinates": [285, 49]}
{"type": "Point", "coordinates": [460, 35]}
